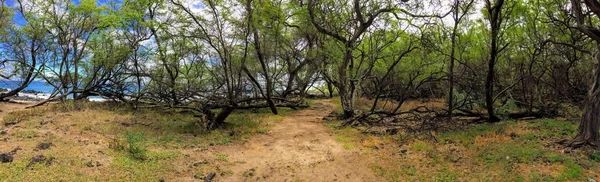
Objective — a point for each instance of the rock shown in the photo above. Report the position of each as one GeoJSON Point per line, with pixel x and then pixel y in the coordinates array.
{"type": "Point", "coordinates": [90, 164]}
{"type": "Point", "coordinates": [209, 177]}
{"type": "Point", "coordinates": [36, 159]}
{"type": "Point", "coordinates": [6, 158]}
{"type": "Point", "coordinates": [513, 135]}
{"type": "Point", "coordinates": [49, 161]}
{"type": "Point", "coordinates": [591, 180]}
{"type": "Point", "coordinates": [44, 146]}
{"type": "Point", "coordinates": [93, 164]}
{"type": "Point", "coordinates": [44, 122]}
{"type": "Point", "coordinates": [391, 131]}
{"type": "Point", "coordinates": [455, 158]}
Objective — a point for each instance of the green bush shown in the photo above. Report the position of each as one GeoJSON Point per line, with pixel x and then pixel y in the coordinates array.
{"type": "Point", "coordinates": [505, 109]}
{"type": "Point", "coordinates": [136, 147]}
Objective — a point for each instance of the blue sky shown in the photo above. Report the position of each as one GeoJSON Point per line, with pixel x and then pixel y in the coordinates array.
{"type": "Point", "coordinates": [18, 18]}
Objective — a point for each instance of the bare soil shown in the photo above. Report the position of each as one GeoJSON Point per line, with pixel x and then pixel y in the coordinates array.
{"type": "Point", "coordinates": [6, 108]}
{"type": "Point", "coordinates": [299, 148]}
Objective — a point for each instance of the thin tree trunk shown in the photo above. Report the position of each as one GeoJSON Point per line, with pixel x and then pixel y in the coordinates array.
{"type": "Point", "coordinates": [494, 12]}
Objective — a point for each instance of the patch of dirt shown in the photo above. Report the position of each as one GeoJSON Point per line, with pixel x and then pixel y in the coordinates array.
{"type": "Point", "coordinates": [300, 147]}
{"type": "Point", "coordinates": [6, 108]}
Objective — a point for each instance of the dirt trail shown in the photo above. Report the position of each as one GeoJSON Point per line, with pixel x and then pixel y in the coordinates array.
{"type": "Point", "coordinates": [300, 148]}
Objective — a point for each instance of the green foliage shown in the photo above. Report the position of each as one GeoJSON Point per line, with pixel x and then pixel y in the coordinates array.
{"type": "Point", "coordinates": [508, 107]}
{"type": "Point", "coordinates": [136, 145]}
{"type": "Point", "coordinates": [595, 156]}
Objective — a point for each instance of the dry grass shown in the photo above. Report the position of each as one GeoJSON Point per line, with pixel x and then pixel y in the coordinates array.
{"type": "Point", "coordinates": [505, 151]}
{"type": "Point", "coordinates": [83, 133]}
{"type": "Point", "coordinates": [390, 105]}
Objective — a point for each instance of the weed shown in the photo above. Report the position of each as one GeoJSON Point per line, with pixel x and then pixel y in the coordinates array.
{"type": "Point", "coordinates": [136, 146]}
{"type": "Point", "coordinates": [595, 156]}
{"type": "Point", "coordinates": [572, 171]}
{"type": "Point", "coordinates": [222, 157]}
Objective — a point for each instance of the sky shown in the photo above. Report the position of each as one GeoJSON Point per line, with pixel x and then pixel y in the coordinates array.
{"type": "Point", "coordinates": [19, 20]}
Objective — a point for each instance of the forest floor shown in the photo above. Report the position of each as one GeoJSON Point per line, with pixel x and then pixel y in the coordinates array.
{"type": "Point", "coordinates": [110, 142]}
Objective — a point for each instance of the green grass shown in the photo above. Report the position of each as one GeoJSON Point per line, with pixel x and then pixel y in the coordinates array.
{"type": "Point", "coordinates": [467, 136]}
{"type": "Point", "coordinates": [497, 151]}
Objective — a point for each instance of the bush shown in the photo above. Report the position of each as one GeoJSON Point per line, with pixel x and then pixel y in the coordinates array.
{"type": "Point", "coordinates": [505, 109]}
{"type": "Point", "coordinates": [136, 147]}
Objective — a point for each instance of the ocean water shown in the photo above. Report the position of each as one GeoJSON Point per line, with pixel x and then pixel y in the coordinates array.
{"type": "Point", "coordinates": [39, 86]}
{"type": "Point", "coordinates": [36, 85]}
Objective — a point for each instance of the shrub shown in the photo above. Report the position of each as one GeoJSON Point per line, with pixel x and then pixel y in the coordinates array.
{"type": "Point", "coordinates": [135, 145]}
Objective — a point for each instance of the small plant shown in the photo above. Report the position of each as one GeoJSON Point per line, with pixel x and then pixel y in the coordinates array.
{"type": "Point", "coordinates": [222, 157]}
{"type": "Point", "coordinates": [136, 147]}
{"type": "Point", "coordinates": [595, 156]}
{"type": "Point", "coordinates": [263, 130]}
{"type": "Point", "coordinates": [505, 109]}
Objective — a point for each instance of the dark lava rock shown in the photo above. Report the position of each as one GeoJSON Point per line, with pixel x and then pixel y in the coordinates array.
{"type": "Point", "coordinates": [49, 161]}
{"type": "Point", "coordinates": [38, 159]}
{"type": "Point", "coordinates": [513, 135]}
{"type": "Point", "coordinates": [31, 92]}
{"type": "Point", "coordinates": [6, 158]}
{"type": "Point", "coordinates": [455, 158]}
{"type": "Point", "coordinates": [209, 177]}
{"type": "Point", "coordinates": [44, 146]}
{"type": "Point", "coordinates": [90, 164]}
{"type": "Point", "coordinates": [93, 164]}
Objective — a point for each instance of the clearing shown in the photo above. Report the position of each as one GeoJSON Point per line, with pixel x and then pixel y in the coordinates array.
{"type": "Point", "coordinates": [111, 142]}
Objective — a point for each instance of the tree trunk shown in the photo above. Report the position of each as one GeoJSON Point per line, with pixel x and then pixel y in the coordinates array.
{"type": "Point", "coordinates": [330, 88]}
{"type": "Point", "coordinates": [590, 121]}
{"type": "Point", "coordinates": [219, 120]}
{"type": "Point", "coordinates": [451, 67]}
{"type": "Point", "coordinates": [347, 103]}
{"type": "Point", "coordinates": [494, 12]}
{"type": "Point", "coordinates": [346, 86]}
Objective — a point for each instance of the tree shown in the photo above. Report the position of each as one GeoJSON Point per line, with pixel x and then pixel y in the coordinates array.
{"type": "Point", "coordinates": [459, 10]}
{"type": "Point", "coordinates": [588, 132]}
{"type": "Point", "coordinates": [348, 34]}
{"type": "Point", "coordinates": [494, 15]}
{"type": "Point", "coordinates": [26, 49]}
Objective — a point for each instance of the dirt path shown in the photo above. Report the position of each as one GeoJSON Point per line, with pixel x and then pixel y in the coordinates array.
{"type": "Point", "coordinates": [300, 148]}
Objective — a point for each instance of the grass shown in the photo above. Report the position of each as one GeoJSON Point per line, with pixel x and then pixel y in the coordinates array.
{"type": "Point", "coordinates": [132, 145]}
{"type": "Point", "coordinates": [503, 151]}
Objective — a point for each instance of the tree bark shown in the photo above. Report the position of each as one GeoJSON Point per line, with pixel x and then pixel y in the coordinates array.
{"type": "Point", "coordinates": [589, 125]}
{"type": "Point", "coordinates": [495, 17]}
{"type": "Point", "coordinates": [587, 134]}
